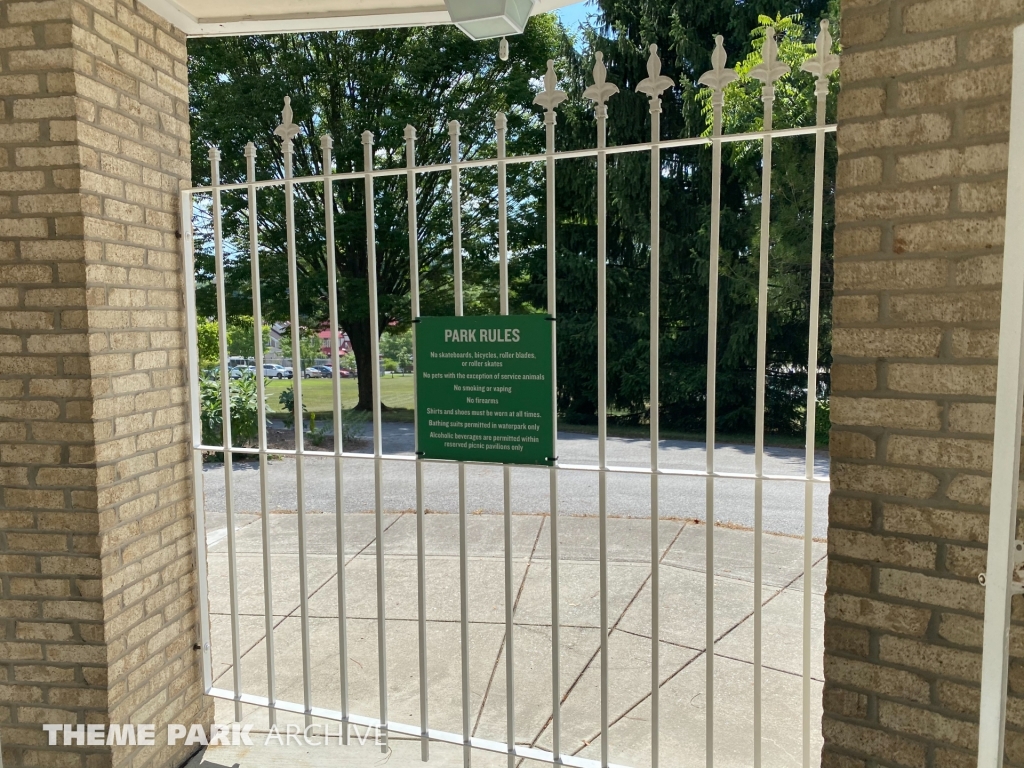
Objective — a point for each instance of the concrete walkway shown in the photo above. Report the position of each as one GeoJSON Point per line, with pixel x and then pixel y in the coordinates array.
{"type": "Point", "coordinates": [682, 668]}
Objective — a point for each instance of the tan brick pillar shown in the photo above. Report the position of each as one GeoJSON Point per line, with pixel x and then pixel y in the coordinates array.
{"type": "Point", "coordinates": [923, 130]}
{"type": "Point", "coordinates": [97, 582]}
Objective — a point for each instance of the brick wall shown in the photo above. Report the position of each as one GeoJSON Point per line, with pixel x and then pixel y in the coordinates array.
{"type": "Point", "coordinates": [98, 608]}
{"type": "Point", "coordinates": [924, 121]}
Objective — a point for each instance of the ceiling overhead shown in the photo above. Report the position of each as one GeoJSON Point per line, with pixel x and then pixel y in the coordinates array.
{"type": "Point", "coordinates": [203, 18]}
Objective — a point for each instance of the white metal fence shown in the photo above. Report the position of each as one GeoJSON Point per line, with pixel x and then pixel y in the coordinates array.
{"type": "Point", "coordinates": [768, 72]}
{"type": "Point", "coordinates": [1004, 575]}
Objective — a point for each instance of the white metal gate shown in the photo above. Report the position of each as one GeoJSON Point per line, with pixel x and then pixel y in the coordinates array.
{"type": "Point", "coordinates": [768, 72]}
{"type": "Point", "coordinates": [1004, 576]}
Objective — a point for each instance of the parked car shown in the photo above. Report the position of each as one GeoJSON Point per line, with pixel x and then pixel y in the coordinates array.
{"type": "Point", "coordinates": [287, 372]}
{"type": "Point", "coordinates": [273, 371]}
{"type": "Point", "coordinates": [315, 372]}
{"type": "Point", "coordinates": [345, 373]}
{"type": "Point", "coordinates": [238, 372]}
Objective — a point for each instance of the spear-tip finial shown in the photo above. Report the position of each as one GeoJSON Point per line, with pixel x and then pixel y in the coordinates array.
{"type": "Point", "coordinates": [655, 82]}
{"type": "Point", "coordinates": [287, 130]}
{"type": "Point", "coordinates": [823, 63]}
{"type": "Point", "coordinates": [601, 90]}
{"type": "Point", "coordinates": [719, 75]}
{"type": "Point", "coordinates": [550, 97]}
{"type": "Point", "coordinates": [770, 69]}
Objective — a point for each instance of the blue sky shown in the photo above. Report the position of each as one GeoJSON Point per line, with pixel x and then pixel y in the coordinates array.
{"type": "Point", "coordinates": [572, 16]}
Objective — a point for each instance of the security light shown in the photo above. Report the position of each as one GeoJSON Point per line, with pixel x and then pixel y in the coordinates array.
{"type": "Point", "coordinates": [484, 19]}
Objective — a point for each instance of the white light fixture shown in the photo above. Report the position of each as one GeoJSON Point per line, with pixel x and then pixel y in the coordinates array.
{"type": "Point", "coordinates": [485, 19]}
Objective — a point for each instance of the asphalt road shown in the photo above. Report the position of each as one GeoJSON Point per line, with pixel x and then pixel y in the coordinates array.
{"type": "Point", "coordinates": [628, 493]}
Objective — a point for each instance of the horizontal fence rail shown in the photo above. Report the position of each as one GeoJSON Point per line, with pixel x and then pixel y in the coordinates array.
{"type": "Point", "coordinates": [768, 72]}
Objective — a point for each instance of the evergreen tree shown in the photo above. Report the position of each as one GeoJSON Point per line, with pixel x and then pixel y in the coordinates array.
{"type": "Point", "coordinates": [684, 31]}
{"type": "Point", "coordinates": [344, 83]}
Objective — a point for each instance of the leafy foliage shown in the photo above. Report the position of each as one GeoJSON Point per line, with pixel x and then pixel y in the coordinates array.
{"type": "Point", "coordinates": [309, 347]}
{"type": "Point", "coordinates": [243, 401]}
{"type": "Point", "coordinates": [242, 338]}
{"type": "Point", "coordinates": [396, 346]}
{"type": "Point", "coordinates": [209, 343]}
{"type": "Point", "coordinates": [684, 32]}
{"type": "Point", "coordinates": [287, 401]}
{"type": "Point", "coordinates": [342, 84]}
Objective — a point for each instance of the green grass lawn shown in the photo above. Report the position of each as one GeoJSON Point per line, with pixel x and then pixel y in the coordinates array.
{"type": "Point", "coordinates": [396, 394]}
{"type": "Point", "coordinates": [395, 391]}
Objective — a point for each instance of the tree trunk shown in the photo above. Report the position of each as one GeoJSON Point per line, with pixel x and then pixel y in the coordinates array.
{"type": "Point", "coordinates": [359, 335]}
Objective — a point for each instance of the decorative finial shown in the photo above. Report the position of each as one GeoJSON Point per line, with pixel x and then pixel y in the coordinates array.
{"type": "Point", "coordinates": [250, 149]}
{"type": "Point", "coordinates": [601, 90]}
{"type": "Point", "coordinates": [655, 83]}
{"type": "Point", "coordinates": [718, 76]}
{"type": "Point", "coordinates": [410, 133]}
{"type": "Point", "coordinates": [550, 97]}
{"type": "Point", "coordinates": [287, 130]}
{"type": "Point", "coordinates": [367, 137]}
{"type": "Point", "coordinates": [500, 122]}
{"type": "Point", "coordinates": [326, 142]}
{"type": "Point", "coordinates": [770, 69]}
{"type": "Point", "coordinates": [824, 62]}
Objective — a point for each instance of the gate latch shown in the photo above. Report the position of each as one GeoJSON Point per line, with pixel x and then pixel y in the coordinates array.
{"type": "Point", "coordinates": [1017, 578]}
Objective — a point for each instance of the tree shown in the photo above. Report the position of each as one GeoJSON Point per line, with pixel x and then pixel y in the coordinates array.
{"type": "Point", "coordinates": [397, 346]}
{"type": "Point", "coordinates": [684, 30]}
{"type": "Point", "coordinates": [344, 83]}
{"type": "Point", "coordinates": [209, 343]}
{"type": "Point", "coordinates": [242, 340]}
{"type": "Point", "coordinates": [309, 346]}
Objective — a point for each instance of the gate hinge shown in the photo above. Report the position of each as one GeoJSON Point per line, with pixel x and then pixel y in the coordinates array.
{"type": "Point", "coordinates": [1017, 577]}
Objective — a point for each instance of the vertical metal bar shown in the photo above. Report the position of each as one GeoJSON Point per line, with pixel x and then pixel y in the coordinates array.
{"type": "Point", "coordinates": [453, 131]}
{"type": "Point", "coordinates": [823, 63]}
{"type": "Point", "coordinates": [378, 479]}
{"type": "Point", "coordinates": [550, 98]}
{"type": "Point", "coordinates": [191, 323]}
{"type": "Point", "coordinates": [717, 79]}
{"type": "Point", "coordinates": [599, 93]}
{"type": "Point", "coordinates": [768, 72]}
{"type": "Point", "coordinates": [421, 562]}
{"type": "Point", "coordinates": [225, 404]}
{"type": "Point", "coordinates": [655, 406]}
{"type": "Point", "coordinates": [999, 576]}
{"type": "Point", "coordinates": [261, 395]}
{"type": "Point", "coordinates": [300, 477]}
{"type": "Point", "coordinates": [326, 145]}
{"type": "Point", "coordinates": [709, 489]}
{"type": "Point", "coordinates": [653, 85]}
{"type": "Point", "coordinates": [500, 125]}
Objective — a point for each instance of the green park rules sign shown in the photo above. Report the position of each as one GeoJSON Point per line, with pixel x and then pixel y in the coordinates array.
{"type": "Point", "coordinates": [484, 389]}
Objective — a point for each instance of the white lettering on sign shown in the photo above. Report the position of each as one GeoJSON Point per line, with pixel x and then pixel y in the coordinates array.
{"type": "Point", "coordinates": [487, 335]}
